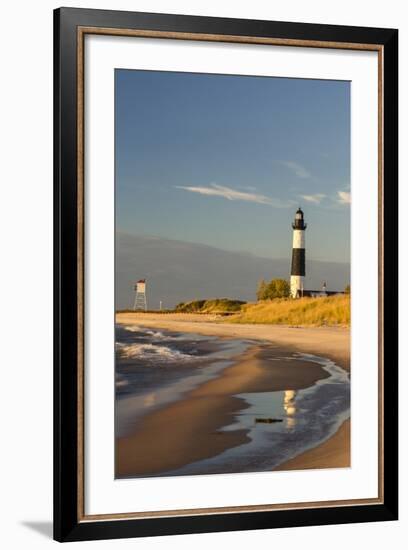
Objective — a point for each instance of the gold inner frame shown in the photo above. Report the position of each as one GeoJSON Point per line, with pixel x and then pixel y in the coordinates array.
{"type": "Point", "coordinates": [81, 33]}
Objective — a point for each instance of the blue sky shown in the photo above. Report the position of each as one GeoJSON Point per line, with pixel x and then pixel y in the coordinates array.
{"type": "Point", "coordinates": [226, 160]}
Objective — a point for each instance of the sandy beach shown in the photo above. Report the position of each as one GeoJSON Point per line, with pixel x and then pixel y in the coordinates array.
{"type": "Point", "coordinates": [188, 429]}
{"type": "Point", "coordinates": [332, 342]}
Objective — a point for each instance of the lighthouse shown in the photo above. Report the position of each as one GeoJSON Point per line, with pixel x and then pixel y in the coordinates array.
{"type": "Point", "coordinates": [297, 274]}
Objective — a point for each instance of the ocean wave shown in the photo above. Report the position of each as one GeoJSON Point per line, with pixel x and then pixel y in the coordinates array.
{"type": "Point", "coordinates": [148, 333]}
{"type": "Point", "coordinates": [121, 383]}
{"type": "Point", "coordinates": [153, 352]}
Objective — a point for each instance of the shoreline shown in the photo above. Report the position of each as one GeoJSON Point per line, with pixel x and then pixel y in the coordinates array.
{"type": "Point", "coordinates": [332, 453]}
{"type": "Point", "coordinates": [330, 342]}
{"type": "Point", "coordinates": [187, 430]}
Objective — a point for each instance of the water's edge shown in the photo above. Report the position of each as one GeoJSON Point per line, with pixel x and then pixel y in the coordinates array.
{"type": "Point", "coordinates": [304, 418]}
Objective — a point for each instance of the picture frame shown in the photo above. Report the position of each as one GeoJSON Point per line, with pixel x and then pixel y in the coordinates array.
{"type": "Point", "coordinates": [71, 26]}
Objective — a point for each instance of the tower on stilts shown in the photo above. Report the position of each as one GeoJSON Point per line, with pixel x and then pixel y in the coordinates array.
{"type": "Point", "coordinates": [140, 295]}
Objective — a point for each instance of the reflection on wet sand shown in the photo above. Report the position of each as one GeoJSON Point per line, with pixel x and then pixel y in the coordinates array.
{"type": "Point", "coordinates": [180, 400]}
{"type": "Point", "coordinates": [293, 420]}
{"type": "Point", "coordinates": [289, 406]}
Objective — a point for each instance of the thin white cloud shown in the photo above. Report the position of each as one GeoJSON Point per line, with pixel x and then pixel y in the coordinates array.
{"type": "Point", "coordinates": [231, 194]}
{"type": "Point", "coordinates": [343, 197]}
{"type": "Point", "coordinates": [315, 199]}
{"type": "Point", "coordinates": [299, 170]}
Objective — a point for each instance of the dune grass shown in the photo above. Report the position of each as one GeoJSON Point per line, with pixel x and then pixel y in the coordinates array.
{"type": "Point", "coordinates": [214, 305]}
{"type": "Point", "coordinates": [330, 311]}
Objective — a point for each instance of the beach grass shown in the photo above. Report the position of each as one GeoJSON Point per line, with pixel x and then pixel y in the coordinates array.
{"type": "Point", "coordinates": [329, 311]}
{"type": "Point", "coordinates": [214, 305]}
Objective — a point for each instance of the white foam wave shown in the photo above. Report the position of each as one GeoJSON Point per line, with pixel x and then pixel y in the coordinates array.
{"type": "Point", "coordinates": [150, 351]}
{"type": "Point", "coordinates": [156, 334]}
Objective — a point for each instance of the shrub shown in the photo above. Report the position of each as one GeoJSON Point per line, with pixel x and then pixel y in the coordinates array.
{"type": "Point", "coordinates": [276, 288]}
{"type": "Point", "coordinates": [215, 305]}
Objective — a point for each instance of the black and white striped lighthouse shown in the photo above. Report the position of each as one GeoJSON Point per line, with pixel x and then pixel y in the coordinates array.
{"type": "Point", "coordinates": [298, 271]}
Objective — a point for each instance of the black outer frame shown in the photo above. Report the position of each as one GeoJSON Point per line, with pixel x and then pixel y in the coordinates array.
{"type": "Point", "coordinates": [66, 524]}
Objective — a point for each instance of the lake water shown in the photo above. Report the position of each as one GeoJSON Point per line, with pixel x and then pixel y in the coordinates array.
{"type": "Point", "coordinates": [156, 367]}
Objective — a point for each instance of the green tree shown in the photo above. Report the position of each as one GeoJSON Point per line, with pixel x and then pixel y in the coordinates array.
{"type": "Point", "coordinates": [261, 290]}
{"type": "Point", "coordinates": [276, 288]}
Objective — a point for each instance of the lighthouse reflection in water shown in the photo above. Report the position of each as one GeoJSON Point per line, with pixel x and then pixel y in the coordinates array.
{"type": "Point", "coordinates": [296, 420]}
{"type": "Point", "coordinates": [289, 406]}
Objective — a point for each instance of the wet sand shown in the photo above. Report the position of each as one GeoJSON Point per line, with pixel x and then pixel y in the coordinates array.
{"type": "Point", "coordinates": [331, 342]}
{"type": "Point", "coordinates": [186, 431]}
{"type": "Point", "coordinates": [333, 453]}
